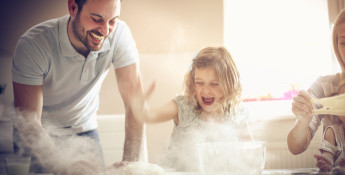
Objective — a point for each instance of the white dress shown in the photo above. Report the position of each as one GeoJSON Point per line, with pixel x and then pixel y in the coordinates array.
{"type": "Point", "coordinates": [182, 154]}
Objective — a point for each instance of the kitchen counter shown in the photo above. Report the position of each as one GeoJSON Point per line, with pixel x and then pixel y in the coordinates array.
{"type": "Point", "coordinates": [297, 171]}
{"type": "Point", "coordinates": [303, 171]}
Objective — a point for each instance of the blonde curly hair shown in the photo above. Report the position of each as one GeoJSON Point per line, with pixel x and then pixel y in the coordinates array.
{"type": "Point", "coordinates": [221, 60]}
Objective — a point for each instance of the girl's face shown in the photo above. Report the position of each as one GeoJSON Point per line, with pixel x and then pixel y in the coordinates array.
{"type": "Point", "coordinates": [207, 88]}
{"type": "Point", "coordinates": [341, 40]}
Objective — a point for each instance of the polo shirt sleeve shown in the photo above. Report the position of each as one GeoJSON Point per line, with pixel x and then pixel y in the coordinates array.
{"type": "Point", "coordinates": [126, 52]}
{"type": "Point", "coordinates": [27, 63]}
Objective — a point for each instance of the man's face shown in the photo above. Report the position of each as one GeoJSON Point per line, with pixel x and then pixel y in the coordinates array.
{"type": "Point", "coordinates": [92, 25]}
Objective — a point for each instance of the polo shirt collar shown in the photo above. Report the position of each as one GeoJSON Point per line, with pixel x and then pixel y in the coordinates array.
{"type": "Point", "coordinates": [66, 47]}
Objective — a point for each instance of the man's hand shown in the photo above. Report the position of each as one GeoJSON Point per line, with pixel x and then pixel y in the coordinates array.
{"type": "Point", "coordinates": [118, 165]}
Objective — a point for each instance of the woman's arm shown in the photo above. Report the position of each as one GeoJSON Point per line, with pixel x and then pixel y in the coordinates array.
{"type": "Point", "coordinates": [299, 136]}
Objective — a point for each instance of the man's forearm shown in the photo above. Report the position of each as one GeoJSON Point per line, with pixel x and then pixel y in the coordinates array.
{"type": "Point", "coordinates": [133, 139]}
{"type": "Point", "coordinates": [36, 139]}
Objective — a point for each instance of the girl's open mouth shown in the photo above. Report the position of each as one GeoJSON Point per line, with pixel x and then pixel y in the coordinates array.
{"type": "Point", "coordinates": [208, 100]}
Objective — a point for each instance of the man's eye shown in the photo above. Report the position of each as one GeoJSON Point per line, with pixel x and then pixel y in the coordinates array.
{"type": "Point", "coordinates": [199, 83]}
{"type": "Point", "coordinates": [97, 20]}
{"type": "Point", "coordinates": [112, 22]}
{"type": "Point", "coordinates": [214, 84]}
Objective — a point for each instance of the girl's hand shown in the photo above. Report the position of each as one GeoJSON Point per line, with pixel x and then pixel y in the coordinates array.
{"type": "Point", "coordinates": [323, 163]}
{"type": "Point", "coordinates": [302, 106]}
{"type": "Point", "coordinates": [139, 106]}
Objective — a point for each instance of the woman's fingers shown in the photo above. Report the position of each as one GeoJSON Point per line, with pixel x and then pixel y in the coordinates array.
{"type": "Point", "coordinates": [302, 106]}
{"type": "Point", "coordinates": [323, 163]}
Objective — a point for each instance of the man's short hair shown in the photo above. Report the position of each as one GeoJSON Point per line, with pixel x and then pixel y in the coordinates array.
{"type": "Point", "coordinates": [80, 4]}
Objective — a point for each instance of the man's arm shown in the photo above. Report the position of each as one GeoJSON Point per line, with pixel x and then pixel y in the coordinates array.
{"type": "Point", "coordinates": [28, 98]}
{"type": "Point", "coordinates": [28, 101]}
{"type": "Point", "coordinates": [130, 83]}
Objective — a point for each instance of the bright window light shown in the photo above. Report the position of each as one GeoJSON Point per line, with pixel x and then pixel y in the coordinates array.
{"type": "Point", "coordinates": [279, 46]}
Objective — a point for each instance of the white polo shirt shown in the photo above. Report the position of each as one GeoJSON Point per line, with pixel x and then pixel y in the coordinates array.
{"type": "Point", "coordinates": [71, 83]}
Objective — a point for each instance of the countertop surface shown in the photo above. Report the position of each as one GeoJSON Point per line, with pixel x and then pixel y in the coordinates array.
{"type": "Point", "coordinates": [299, 171]}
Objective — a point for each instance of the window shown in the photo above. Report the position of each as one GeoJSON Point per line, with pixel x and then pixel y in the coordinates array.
{"type": "Point", "coordinates": [279, 46]}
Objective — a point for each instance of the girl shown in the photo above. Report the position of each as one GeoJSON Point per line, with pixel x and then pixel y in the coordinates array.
{"type": "Point", "coordinates": [208, 111]}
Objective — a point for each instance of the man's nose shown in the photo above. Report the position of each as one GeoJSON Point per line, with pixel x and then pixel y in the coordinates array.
{"type": "Point", "coordinates": [104, 29]}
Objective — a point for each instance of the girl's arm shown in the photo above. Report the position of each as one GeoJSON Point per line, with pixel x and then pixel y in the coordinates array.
{"type": "Point", "coordinates": [166, 112]}
{"type": "Point", "coordinates": [144, 114]}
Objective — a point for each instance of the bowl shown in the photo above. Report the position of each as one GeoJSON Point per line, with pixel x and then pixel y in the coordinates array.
{"type": "Point", "coordinates": [232, 157]}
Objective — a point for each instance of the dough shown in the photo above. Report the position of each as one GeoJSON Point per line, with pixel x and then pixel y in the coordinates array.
{"type": "Point", "coordinates": [142, 168]}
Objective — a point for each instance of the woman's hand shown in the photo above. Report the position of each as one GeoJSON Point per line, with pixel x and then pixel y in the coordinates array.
{"type": "Point", "coordinates": [342, 162]}
{"type": "Point", "coordinates": [323, 163]}
{"type": "Point", "coordinates": [302, 107]}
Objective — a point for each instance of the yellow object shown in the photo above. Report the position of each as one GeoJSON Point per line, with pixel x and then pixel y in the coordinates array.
{"type": "Point", "coordinates": [334, 105]}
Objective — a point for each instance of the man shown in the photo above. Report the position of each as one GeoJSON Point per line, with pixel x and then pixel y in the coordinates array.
{"type": "Point", "coordinates": [59, 66]}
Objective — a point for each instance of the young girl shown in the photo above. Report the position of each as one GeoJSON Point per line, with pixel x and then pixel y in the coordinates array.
{"type": "Point", "coordinates": [208, 111]}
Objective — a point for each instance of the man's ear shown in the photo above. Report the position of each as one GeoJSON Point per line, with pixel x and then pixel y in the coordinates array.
{"type": "Point", "coordinates": [72, 8]}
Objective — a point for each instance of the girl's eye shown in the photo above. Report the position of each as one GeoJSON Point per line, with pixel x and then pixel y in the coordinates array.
{"type": "Point", "coordinates": [199, 83]}
{"type": "Point", "coordinates": [214, 84]}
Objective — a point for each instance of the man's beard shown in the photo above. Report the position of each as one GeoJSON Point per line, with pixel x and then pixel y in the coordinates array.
{"type": "Point", "coordinates": [78, 31]}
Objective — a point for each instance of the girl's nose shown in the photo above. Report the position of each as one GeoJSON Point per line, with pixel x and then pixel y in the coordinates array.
{"type": "Point", "coordinates": [206, 90]}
